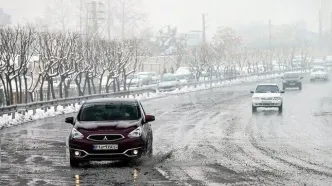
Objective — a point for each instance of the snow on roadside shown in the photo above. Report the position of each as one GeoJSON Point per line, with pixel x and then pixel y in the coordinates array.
{"type": "Point", "coordinates": [7, 121]}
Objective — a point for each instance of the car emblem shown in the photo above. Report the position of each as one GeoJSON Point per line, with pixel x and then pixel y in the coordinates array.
{"type": "Point", "coordinates": [105, 138]}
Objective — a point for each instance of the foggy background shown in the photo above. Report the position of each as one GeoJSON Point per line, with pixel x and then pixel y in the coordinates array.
{"type": "Point", "coordinates": [184, 14]}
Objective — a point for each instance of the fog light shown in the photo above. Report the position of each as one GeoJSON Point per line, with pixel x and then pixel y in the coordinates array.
{"type": "Point", "coordinates": [135, 152]}
{"type": "Point", "coordinates": [77, 153]}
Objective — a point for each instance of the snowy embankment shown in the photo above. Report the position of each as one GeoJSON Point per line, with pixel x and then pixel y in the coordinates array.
{"type": "Point", "coordinates": [7, 121]}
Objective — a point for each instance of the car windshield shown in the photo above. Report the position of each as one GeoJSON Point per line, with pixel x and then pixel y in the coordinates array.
{"type": "Point", "coordinates": [291, 75]}
{"type": "Point", "coordinates": [109, 112]}
{"type": "Point", "coordinates": [318, 70]}
{"type": "Point", "coordinates": [267, 89]}
{"type": "Point", "coordinates": [168, 78]}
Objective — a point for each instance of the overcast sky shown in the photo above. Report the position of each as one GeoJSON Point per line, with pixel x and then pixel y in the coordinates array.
{"type": "Point", "coordinates": [186, 14]}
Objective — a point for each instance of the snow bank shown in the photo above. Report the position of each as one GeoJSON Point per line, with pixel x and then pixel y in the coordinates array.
{"type": "Point", "coordinates": [7, 121]}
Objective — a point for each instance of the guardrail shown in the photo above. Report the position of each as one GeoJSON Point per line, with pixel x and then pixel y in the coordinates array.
{"type": "Point", "coordinates": [23, 108]}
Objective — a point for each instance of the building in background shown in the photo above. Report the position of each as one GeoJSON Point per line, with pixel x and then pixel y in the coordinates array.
{"type": "Point", "coordinates": [5, 19]}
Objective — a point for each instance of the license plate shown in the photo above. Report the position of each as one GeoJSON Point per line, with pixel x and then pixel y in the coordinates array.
{"type": "Point", "coordinates": [267, 101]}
{"type": "Point", "coordinates": [106, 147]}
{"type": "Point", "coordinates": [292, 84]}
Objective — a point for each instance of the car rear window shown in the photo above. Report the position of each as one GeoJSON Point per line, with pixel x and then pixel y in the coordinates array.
{"type": "Point", "coordinates": [291, 75]}
{"type": "Point", "coordinates": [267, 89]}
{"type": "Point", "coordinates": [109, 112]}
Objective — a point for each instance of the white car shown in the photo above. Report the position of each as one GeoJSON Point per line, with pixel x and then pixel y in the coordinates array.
{"type": "Point", "coordinates": [267, 95]}
{"type": "Point", "coordinates": [168, 82]}
{"type": "Point", "coordinates": [318, 72]}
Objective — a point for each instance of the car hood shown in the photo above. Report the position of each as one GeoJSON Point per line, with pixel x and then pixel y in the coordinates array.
{"type": "Point", "coordinates": [167, 83]}
{"type": "Point", "coordinates": [106, 125]}
{"type": "Point", "coordinates": [266, 95]}
{"type": "Point", "coordinates": [318, 73]}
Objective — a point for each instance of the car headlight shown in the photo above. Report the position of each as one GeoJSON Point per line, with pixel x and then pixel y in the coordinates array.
{"type": "Point", "coordinates": [256, 98]}
{"type": "Point", "coordinates": [277, 98]}
{"type": "Point", "coordinates": [135, 133]}
{"type": "Point", "coordinates": [76, 134]}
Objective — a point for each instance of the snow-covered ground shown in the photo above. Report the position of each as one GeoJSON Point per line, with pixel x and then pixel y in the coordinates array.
{"type": "Point", "coordinates": [7, 121]}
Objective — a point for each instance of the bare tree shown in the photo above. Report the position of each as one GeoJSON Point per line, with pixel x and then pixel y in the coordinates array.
{"type": "Point", "coordinates": [9, 51]}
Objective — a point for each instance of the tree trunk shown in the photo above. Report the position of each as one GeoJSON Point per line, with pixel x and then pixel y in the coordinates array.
{"type": "Point", "coordinates": [66, 88]}
{"type": "Point", "coordinates": [31, 97]}
{"type": "Point", "coordinates": [52, 88]}
{"type": "Point", "coordinates": [9, 84]}
{"type": "Point", "coordinates": [87, 80]}
{"type": "Point", "coordinates": [101, 81]}
{"type": "Point", "coordinates": [78, 80]}
{"type": "Point", "coordinates": [60, 86]}
{"type": "Point", "coordinates": [21, 92]}
{"type": "Point", "coordinates": [48, 89]}
{"type": "Point", "coordinates": [41, 93]}
{"type": "Point", "coordinates": [93, 86]}
{"type": "Point", "coordinates": [114, 86]}
{"type": "Point", "coordinates": [107, 87]}
{"type": "Point", "coordinates": [5, 90]}
{"type": "Point", "coordinates": [26, 89]}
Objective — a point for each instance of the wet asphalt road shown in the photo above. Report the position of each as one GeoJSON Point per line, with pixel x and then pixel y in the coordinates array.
{"type": "Point", "coordinates": [201, 138]}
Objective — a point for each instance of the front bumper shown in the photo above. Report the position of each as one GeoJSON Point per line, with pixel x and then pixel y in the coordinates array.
{"type": "Point", "coordinates": [314, 77]}
{"type": "Point", "coordinates": [87, 153]}
{"type": "Point", "coordinates": [267, 103]}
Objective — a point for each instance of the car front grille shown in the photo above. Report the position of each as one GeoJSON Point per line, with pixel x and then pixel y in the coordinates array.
{"type": "Point", "coordinates": [266, 98]}
{"type": "Point", "coordinates": [105, 137]}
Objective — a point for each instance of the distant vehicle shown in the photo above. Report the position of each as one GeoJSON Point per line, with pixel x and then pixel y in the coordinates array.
{"type": "Point", "coordinates": [137, 80]}
{"type": "Point", "coordinates": [168, 82]}
{"type": "Point", "coordinates": [328, 60]}
{"type": "Point", "coordinates": [318, 61]}
{"type": "Point", "coordinates": [267, 95]}
{"type": "Point", "coordinates": [318, 73]}
{"type": "Point", "coordinates": [152, 76]}
{"type": "Point", "coordinates": [292, 79]}
{"type": "Point", "coordinates": [110, 129]}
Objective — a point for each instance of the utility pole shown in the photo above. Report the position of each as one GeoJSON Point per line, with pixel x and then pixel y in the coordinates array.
{"type": "Point", "coordinates": [109, 19]}
{"type": "Point", "coordinates": [270, 34]}
{"type": "Point", "coordinates": [81, 20]}
{"type": "Point", "coordinates": [94, 18]}
{"type": "Point", "coordinates": [123, 19]}
{"type": "Point", "coordinates": [320, 28]}
{"type": "Point", "coordinates": [203, 28]}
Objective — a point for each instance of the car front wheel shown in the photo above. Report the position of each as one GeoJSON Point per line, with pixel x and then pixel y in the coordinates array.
{"type": "Point", "coordinates": [254, 109]}
{"type": "Point", "coordinates": [74, 163]}
{"type": "Point", "coordinates": [280, 108]}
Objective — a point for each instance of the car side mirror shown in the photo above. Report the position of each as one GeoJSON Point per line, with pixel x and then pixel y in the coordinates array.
{"type": "Point", "coordinates": [252, 92]}
{"type": "Point", "coordinates": [70, 120]}
{"type": "Point", "coordinates": [149, 118]}
{"type": "Point", "coordinates": [282, 92]}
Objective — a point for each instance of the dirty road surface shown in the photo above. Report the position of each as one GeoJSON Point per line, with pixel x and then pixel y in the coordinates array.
{"type": "Point", "coordinates": [208, 137]}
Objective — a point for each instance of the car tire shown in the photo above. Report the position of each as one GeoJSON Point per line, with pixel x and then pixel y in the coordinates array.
{"type": "Point", "coordinates": [280, 108]}
{"type": "Point", "coordinates": [300, 87]}
{"type": "Point", "coordinates": [74, 163]}
{"type": "Point", "coordinates": [254, 109]}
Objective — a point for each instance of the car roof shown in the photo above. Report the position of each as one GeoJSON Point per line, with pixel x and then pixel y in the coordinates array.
{"type": "Point", "coordinates": [273, 84]}
{"type": "Point", "coordinates": [112, 100]}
